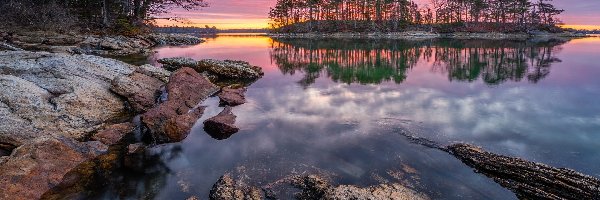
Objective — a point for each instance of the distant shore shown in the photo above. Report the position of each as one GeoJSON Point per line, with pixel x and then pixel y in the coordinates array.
{"type": "Point", "coordinates": [430, 35]}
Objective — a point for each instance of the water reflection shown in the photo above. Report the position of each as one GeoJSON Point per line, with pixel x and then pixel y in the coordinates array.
{"type": "Point", "coordinates": [377, 61]}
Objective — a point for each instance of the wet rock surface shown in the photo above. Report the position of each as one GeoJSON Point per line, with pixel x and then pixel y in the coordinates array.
{"type": "Point", "coordinates": [140, 90]}
{"type": "Point", "coordinates": [221, 126]}
{"type": "Point", "coordinates": [227, 188]}
{"type": "Point", "coordinates": [223, 69]}
{"type": "Point", "coordinates": [232, 96]}
{"type": "Point", "coordinates": [113, 134]}
{"type": "Point", "coordinates": [316, 187]}
{"type": "Point", "coordinates": [527, 179]}
{"type": "Point", "coordinates": [171, 120]}
{"type": "Point", "coordinates": [36, 167]}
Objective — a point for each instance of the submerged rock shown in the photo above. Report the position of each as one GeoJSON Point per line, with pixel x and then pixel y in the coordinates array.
{"type": "Point", "coordinates": [221, 126]}
{"type": "Point", "coordinates": [527, 179]}
{"type": "Point", "coordinates": [140, 90]}
{"type": "Point", "coordinates": [114, 133]}
{"type": "Point", "coordinates": [315, 187]}
{"type": "Point", "coordinates": [172, 120]}
{"type": "Point", "coordinates": [228, 189]}
{"type": "Point", "coordinates": [232, 96]}
{"type": "Point", "coordinates": [36, 167]}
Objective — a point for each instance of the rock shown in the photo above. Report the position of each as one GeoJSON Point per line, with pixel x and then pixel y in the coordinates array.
{"type": "Point", "coordinates": [135, 157]}
{"type": "Point", "coordinates": [232, 96]}
{"type": "Point", "coordinates": [45, 93]}
{"type": "Point", "coordinates": [114, 133]}
{"type": "Point", "coordinates": [315, 187]}
{"type": "Point", "coordinates": [230, 69]}
{"type": "Point", "coordinates": [527, 179]}
{"type": "Point", "coordinates": [227, 69]}
{"type": "Point", "coordinates": [172, 64]}
{"type": "Point", "coordinates": [171, 120]}
{"type": "Point", "coordinates": [155, 72]}
{"type": "Point", "coordinates": [5, 46]}
{"type": "Point", "coordinates": [174, 39]}
{"type": "Point", "coordinates": [228, 189]}
{"type": "Point", "coordinates": [140, 90]}
{"type": "Point", "coordinates": [36, 167]}
{"type": "Point", "coordinates": [221, 126]}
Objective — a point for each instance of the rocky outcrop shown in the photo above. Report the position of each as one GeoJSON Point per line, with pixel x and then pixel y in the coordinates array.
{"type": "Point", "coordinates": [55, 93]}
{"type": "Point", "coordinates": [36, 167]}
{"type": "Point", "coordinates": [113, 134]}
{"type": "Point", "coordinates": [140, 90]}
{"type": "Point", "coordinates": [156, 72]}
{"type": "Point", "coordinates": [228, 189]}
{"type": "Point", "coordinates": [315, 187]}
{"type": "Point", "coordinates": [176, 63]}
{"type": "Point", "coordinates": [96, 44]}
{"type": "Point", "coordinates": [226, 69]}
{"type": "Point", "coordinates": [174, 39]}
{"type": "Point", "coordinates": [221, 126]}
{"type": "Point", "coordinates": [527, 179]}
{"type": "Point", "coordinates": [171, 120]}
{"type": "Point", "coordinates": [232, 96]}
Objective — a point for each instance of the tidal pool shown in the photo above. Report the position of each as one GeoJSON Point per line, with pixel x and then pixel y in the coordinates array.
{"type": "Point", "coordinates": [343, 107]}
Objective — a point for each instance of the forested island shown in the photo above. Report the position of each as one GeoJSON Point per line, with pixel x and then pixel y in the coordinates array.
{"type": "Point", "coordinates": [440, 16]}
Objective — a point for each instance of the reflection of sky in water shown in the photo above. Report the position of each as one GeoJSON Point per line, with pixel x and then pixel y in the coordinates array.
{"type": "Point", "coordinates": [351, 129]}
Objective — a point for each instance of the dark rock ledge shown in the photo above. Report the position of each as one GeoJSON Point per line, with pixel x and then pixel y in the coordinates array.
{"type": "Point", "coordinates": [528, 180]}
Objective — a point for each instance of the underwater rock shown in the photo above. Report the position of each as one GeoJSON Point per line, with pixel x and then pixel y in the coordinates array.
{"type": "Point", "coordinates": [228, 189]}
{"type": "Point", "coordinates": [527, 179]}
{"type": "Point", "coordinates": [315, 187]}
{"type": "Point", "coordinates": [36, 167]}
{"type": "Point", "coordinates": [232, 96]}
{"type": "Point", "coordinates": [139, 89]}
{"type": "Point", "coordinates": [114, 133]}
{"type": "Point", "coordinates": [221, 126]}
{"type": "Point", "coordinates": [171, 120]}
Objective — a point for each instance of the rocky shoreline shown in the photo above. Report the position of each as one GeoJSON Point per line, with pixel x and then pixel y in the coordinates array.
{"type": "Point", "coordinates": [76, 43]}
{"type": "Point", "coordinates": [417, 35]}
{"type": "Point", "coordinates": [63, 114]}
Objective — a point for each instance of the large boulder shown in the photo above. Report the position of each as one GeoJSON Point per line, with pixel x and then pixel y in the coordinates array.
{"type": "Point", "coordinates": [173, 64]}
{"type": "Point", "coordinates": [140, 90]}
{"type": "Point", "coordinates": [64, 94]}
{"type": "Point", "coordinates": [527, 179]}
{"type": "Point", "coordinates": [172, 120]}
{"type": "Point", "coordinates": [36, 167]}
{"type": "Point", "coordinates": [221, 126]}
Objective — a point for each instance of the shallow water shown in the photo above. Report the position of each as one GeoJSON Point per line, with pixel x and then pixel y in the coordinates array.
{"type": "Point", "coordinates": [342, 107]}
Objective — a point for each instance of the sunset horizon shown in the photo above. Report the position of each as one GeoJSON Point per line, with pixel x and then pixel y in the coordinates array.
{"type": "Point", "coordinates": [253, 14]}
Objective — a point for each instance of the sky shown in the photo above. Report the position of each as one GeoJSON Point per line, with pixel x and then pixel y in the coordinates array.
{"type": "Point", "coordinates": [232, 14]}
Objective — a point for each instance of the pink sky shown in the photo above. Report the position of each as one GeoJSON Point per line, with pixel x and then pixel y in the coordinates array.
{"type": "Point", "coordinates": [227, 14]}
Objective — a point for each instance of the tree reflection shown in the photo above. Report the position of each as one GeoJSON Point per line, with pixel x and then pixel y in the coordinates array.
{"type": "Point", "coordinates": [366, 61]}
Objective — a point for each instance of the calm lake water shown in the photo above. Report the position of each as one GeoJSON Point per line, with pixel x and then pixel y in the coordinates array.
{"type": "Point", "coordinates": [342, 107]}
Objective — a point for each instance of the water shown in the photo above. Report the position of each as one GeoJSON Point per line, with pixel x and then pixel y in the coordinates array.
{"type": "Point", "coordinates": [341, 107]}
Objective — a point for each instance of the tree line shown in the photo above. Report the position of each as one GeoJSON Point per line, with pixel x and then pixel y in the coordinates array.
{"type": "Point", "coordinates": [396, 15]}
{"type": "Point", "coordinates": [120, 15]}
